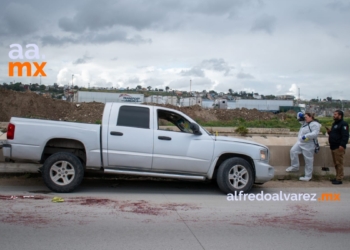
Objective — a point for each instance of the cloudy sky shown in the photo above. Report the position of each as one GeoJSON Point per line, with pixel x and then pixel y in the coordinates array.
{"type": "Point", "coordinates": [261, 46]}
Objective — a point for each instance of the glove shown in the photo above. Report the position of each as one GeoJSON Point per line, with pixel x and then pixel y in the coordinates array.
{"type": "Point", "coordinates": [304, 138]}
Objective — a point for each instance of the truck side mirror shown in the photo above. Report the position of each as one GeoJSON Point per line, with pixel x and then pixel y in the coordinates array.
{"type": "Point", "coordinates": [195, 128]}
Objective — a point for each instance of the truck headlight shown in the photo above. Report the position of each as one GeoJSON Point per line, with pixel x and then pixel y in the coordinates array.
{"type": "Point", "coordinates": [263, 155]}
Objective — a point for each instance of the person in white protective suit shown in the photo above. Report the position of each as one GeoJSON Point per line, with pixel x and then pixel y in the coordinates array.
{"type": "Point", "coordinates": [305, 145]}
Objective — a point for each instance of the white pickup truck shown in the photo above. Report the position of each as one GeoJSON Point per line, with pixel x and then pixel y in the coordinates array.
{"type": "Point", "coordinates": [133, 141]}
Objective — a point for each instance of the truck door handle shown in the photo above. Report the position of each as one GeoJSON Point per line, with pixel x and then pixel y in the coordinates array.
{"type": "Point", "coordinates": [166, 138]}
{"type": "Point", "coordinates": [116, 133]}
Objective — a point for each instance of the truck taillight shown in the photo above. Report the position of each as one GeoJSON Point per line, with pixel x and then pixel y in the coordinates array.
{"type": "Point", "coordinates": [10, 131]}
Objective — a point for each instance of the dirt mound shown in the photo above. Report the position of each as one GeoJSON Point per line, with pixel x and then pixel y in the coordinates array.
{"type": "Point", "coordinates": [32, 105]}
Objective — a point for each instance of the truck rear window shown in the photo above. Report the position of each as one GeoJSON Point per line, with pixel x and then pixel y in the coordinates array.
{"type": "Point", "coordinates": [131, 116]}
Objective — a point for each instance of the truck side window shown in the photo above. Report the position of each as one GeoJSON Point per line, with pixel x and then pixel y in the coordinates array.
{"type": "Point", "coordinates": [130, 116]}
{"type": "Point", "coordinates": [172, 121]}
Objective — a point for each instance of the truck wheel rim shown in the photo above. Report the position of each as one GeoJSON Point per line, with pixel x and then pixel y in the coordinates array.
{"type": "Point", "coordinates": [238, 176]}
{"type": "Point", "coordinates": [62, 173]}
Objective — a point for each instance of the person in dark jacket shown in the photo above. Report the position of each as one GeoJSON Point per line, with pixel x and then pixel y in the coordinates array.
{"type": "Point", "coordinates": [338, 138]}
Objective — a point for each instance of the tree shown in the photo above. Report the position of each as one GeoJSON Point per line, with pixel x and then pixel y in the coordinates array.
{"type": "Point", "coordinates": [230, 91]}
{"type": "Point", "coordinates": [4, 85]}
{"type": "Point", "coordinates": [42, 87]}
{"type": "Point", "coordinates": [138, 87]}
{"type": "Point", "coordinates": [34, 86]}
{"type": "Point", "coordinates": [149, 88]}
{"type": "Point", "coordinates": [17, 86]}
{"type": "Point", "coordinates": [270, 97]}
{"type": "Point", "coordinates": [242, 93]}
{"type": "Point", "coordinates": [167, 88]}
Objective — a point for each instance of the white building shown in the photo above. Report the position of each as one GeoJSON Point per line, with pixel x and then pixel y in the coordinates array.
{"type": "Point", "coordinates": [162, 99]}
{"type": "Point", "coordinates": [87, 96]}
{"type": "Point", "coordinates": [190, 101]}
{"type": "Point", "coordinates": [156, 99]}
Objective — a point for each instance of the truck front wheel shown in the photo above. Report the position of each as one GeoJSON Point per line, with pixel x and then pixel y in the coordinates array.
{"type": "Point", "coordinates": [62, 172]}
{"type": "Point", "coordinates": [235, 174]}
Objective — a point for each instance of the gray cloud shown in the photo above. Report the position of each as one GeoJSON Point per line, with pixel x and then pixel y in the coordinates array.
{"type": "Point", "coordinates": [264, 23]}
{"type": "Point", "coordinates": [196, 84]}
{"type": "Point", "coordinates": [155, 83]}
{"type": "Point", "coordinates": [103, 84]}
{"type": "Point", "coordinates": [339, 6]}
{"type": "Point", "coordinates": [184, 30]}
{"type": "Point", "coordinates": [211, 64]}
{"type": "Point", "coordinates": [82, 60]}
{"type": "Point", "coordinates": [214, 7]}
{"type": "Point", "coordinates": [133, 80]}
{"type": "Point", "coordinates": [94, 38]}
{"type": "Point", "coordinates": [217, 65]}
{"type": "Point", "coordinates": [242, 75]}
{"type": "Point", "coordinates": [19, 19]}
{"type": "Point", "coordinates": [140, 14]}
{"type": "Point", "coordinates": [192, 72]}
{"type": "Point", "coordinates": [96, 15]}
{"type": "Point", "coordinates": [56, 41]}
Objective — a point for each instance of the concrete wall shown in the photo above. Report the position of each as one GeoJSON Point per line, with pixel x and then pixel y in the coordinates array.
{"type": "Point", "coordinates": [280, 156]}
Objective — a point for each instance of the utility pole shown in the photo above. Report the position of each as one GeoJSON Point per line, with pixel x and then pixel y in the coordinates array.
{"type": "Point", "coordinates": [342, 106]}
{"type": "Point", "coordinates": [190, 85]}
{"type": "Point", "coordinates": [190, 92]}
{"type": "Point", "coordinates": [72, 80]}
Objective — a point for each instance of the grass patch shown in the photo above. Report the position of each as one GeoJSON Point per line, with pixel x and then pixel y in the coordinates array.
{"type": "Point", "coordinates": [241, 130]}
{"type": "Point", "coordinates": [288, 177]}
{"type": "Point", "coordinates": [316, 177]}
{"type": "Point", "coordinates": [289, 121]}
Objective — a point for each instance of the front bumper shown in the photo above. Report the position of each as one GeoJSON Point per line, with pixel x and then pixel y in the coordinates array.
{"type": "Point", "coordinates": [263, 171]}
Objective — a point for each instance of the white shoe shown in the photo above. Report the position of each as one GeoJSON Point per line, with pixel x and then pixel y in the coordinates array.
{"type": "Point", "coordinates": [292, 169]}
{"type": "Point", "coordinates": [304, 179]}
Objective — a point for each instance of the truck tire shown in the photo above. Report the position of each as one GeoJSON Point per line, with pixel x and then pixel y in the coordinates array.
{"type": "Point", "coordinates": [235, 174]}
{"type": "Point", "coordinates": [62, 172]}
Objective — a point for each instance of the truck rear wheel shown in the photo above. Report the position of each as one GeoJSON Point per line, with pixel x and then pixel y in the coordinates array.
{"type": "Point", "coordinates": [62, 172]}
{"type": "Point", "coordinates": [235, 174]}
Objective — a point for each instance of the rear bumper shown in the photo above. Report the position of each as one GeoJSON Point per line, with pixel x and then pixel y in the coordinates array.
{"type": "Point", "coordinates": [263, 172]}
{"type": "Point", "coordinates": [7, 150]}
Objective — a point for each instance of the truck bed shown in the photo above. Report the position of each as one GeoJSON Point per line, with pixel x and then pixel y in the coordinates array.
{"type": "Point", "coordinates": [32, 135]}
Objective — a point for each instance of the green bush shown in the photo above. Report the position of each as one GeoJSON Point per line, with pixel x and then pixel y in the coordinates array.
{"type": "Point", "coordinates": [241, 130]}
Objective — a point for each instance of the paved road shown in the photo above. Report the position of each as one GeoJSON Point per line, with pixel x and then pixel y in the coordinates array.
{"type": "Point", "coordinates": [114, 214]}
